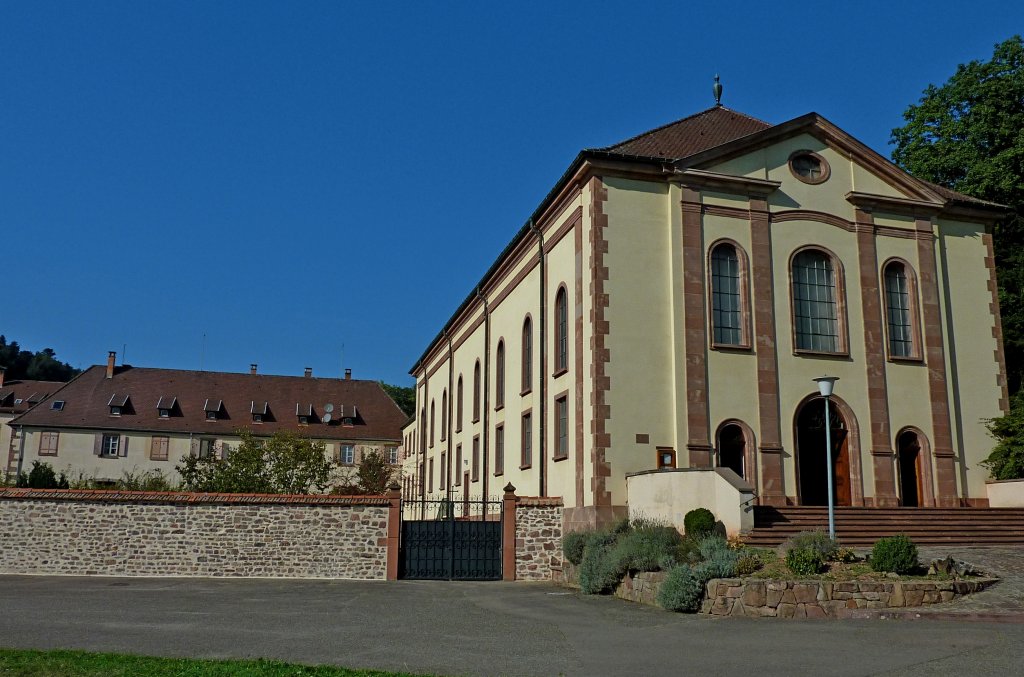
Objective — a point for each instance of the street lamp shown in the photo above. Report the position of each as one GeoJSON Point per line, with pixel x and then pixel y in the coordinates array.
{"type": "Point", "coordinates": [825, 386]}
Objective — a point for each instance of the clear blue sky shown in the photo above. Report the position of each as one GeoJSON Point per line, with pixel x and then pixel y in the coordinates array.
{"type": "Point", "coordinates": [274, 174]}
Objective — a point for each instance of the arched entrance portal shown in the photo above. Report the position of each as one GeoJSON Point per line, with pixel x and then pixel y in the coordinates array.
{"type": "Point", "coordinates": [811, 457]}
{"type": "Point", "coordinates": [908, 457]}
{"type": "Point", "coordinates": [732, 448]}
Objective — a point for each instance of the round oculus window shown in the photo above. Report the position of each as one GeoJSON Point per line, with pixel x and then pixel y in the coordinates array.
{"type": "Point", "coordinates": [809, 167]}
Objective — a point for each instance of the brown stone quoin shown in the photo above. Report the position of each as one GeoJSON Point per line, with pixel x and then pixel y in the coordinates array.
{"type": "Point", "coordinates": [698, 433]}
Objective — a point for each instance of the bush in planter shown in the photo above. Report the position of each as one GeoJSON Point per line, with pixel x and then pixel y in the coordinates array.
{"type": "Point", "coordinates": [896, 554]}
{"type": "Point", "coordinates": [699, 522]}
{"type": "Point", "coordinates": [682, 589]}
{"type": "Point", "coordinates": [645, 547]}
{"type": "Point", "coordinates": [804, 561]}
{"type": "Point", "coordinates": [600, 569]}
{"type": "Point", "coordinates": [573, 544]}
{"type": "Point", "coordinates": [817, 540]}
{"type": "Point", "coordinates": [748, 563]}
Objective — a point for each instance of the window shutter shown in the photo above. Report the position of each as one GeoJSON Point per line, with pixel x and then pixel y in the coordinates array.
{"type": "Point", "coordinates": [152, 446]}
{"type": "Point", "coordinates": [97, 444]}
{"type": "Point", "coordinates": [194, 450]}
{"type": "Point", "coordinates": [122, 450]}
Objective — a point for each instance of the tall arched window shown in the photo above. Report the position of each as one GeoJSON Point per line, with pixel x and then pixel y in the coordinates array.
{"type": "Point", "coordinates": [458, 406]}
{"type": "Point", "coordinates": [499, 375]}
{"type": "Point", "coordinates": [476, 391]}
{"type": "Point", "coordinates": [728, 296]}
{"type": "Point", "coordinates": [561, 331]}
{"type": "Point", "coordinates": [816, 303]}
{"type": "Point", "coordinates": [444, 414]}
{"type": "Point", "coordinates": [527, 362]}
{"type": "Point", "coordinates": [431, 422]}
{"type": "Point", "coordinates": [899, 310]}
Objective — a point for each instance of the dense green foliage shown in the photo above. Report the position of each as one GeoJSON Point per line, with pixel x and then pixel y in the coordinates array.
{"type": "Point", "coordinates": [966, 135]}
{"type": "Point", "coordinates": [283, 464]}
{"type": "Point", "coordinates": [1006, 462]}
{"type": "Point", "coordinates": [682, 589]}
{"type": "Point", "coordinates": [897, 554]}
{"type": "Point", "coordinates": [82, 664]}
{"type": "Point", "coordinates": [42, 476]}
{"type": "Point", "coordinates": [605, 556]}
{"type": "Point", "coordinates": [698, 522]}
{"type": "Point", "coordinates": [36, 366]}
{"type": "Point", "coordinates": [404, 397]}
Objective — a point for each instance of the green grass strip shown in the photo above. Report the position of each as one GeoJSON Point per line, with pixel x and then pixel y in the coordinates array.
{"type": "Point", "coordinates": [22, 663]}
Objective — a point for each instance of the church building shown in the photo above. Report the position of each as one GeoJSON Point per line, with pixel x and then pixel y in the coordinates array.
{"type": "Point", "coordinates": [670, 302]}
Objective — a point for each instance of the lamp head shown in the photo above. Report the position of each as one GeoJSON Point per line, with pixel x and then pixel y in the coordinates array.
{"type": "Point", "coordinates": [826, 384]}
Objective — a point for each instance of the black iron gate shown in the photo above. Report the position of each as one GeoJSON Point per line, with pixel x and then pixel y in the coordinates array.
{"type": "Point", "coordinates": [451, 540]}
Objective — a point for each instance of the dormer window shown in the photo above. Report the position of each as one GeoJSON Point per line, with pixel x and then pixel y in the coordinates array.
{"type": "Point", "coordinates": [304, 412]}
{"type": "Point", "coordinates": [303, 420]}
{"type": "Point", "coordinates": [212, 408]}
{"type": "Point", "coordinates": [259, 411]}
{"type": "Point", "coordinates": [165, 406]}
{"type": "Point", "coordinates": [118, 404]}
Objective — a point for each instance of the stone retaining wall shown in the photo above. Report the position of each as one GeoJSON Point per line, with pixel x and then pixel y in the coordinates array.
{"type": "Point", "coordinates": [538, 538]}
{"type": "Point", "coordinates": [821, 599]}
{"type": "Point", "coordinates": [110, 533]}
{"type": "Point", "coordinates": [792, 599]}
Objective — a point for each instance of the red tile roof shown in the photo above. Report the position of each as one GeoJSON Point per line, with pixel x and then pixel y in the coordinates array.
{"type": "Point", "coordinates": [87, 404]}
{"type": "Point", "coordinates": [12, 391]}
{"type": "Point", "coordinates": [691, 135]}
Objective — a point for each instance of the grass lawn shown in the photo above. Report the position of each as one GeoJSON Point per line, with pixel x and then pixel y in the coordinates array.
{"type": "Point", "coordinates": [83, 664]}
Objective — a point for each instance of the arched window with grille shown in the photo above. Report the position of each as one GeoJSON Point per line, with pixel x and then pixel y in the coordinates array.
{"type": "Point", "coordinates": [817, 294]}
{"type": "Point", "coordinates": [561, 331]}
{"type": "Point", "coordinates": [901, 310]}
{"type": "Point", "coordinates": [730, 311]}
{"type": "Point", "coordinates": [499, 375]}
{"type": "Point", "coordinates": [527, 356]}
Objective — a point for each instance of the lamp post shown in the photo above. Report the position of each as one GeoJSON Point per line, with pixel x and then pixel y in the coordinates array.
{"type": "Point", "coordinates": [825, 386]}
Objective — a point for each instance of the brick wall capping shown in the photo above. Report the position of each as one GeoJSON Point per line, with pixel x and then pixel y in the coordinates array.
{"type": "Point", "coordinates": [893, 205]}
{"type": "Point", "coordinates": [727, 474]}
{"type": "Point", "coordinates": [726, 183]}
{"type": "Point", "coordinates": [540, 501]}
{"type": "Point", "coordinates": [195, 498]}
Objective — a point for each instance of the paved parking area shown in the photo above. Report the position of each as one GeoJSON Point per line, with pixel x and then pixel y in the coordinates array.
{"type": "Point", "coordinates": [473, 629]}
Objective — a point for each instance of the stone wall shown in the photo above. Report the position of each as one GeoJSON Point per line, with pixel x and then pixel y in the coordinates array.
{"type": "Point", "coordinates": [822, 599]}
{"type": "Point", "coordinates": [110, 533]}
{"type": "Point", "coordinates": [538, 538]}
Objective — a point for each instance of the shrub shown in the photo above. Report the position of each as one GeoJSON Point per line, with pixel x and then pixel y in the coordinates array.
{"type": "Point", "coordinates": [845, 555]}
{"type": "Point", "coordinates": [711, 545]}
{"type": "Point", "coordinates": [682, 589]}
{"type": "Point", "coordinates": [804, 561]}
{"type": "Point", "coordinates": [698, 522]}
{"type": "Point", "coordinates": [573, 544]}
{"type": "Point", "coordinates": [720, 565]}
{"type": "Point", "coordinates": [644, 548]}
{"type": "Point", "coordinates": [896, 554]}
{"type": "Point", "coordinates": [600, 571]}
{"type": "Point", "coordinates": [42, 476]}
{"type": "Point", "coordinates": [817, 540]}
{"type": "Point", "coordinates": [748, 563]}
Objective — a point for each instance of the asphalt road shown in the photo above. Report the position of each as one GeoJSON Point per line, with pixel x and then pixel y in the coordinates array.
{"type": "Point", "coordinates": [474, 629]}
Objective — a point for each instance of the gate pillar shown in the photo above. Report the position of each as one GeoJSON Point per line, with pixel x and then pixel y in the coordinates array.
{"type": "Point", "coordinates": [508, 534]}
{"type": "Point", "coordinates": [394, 529]}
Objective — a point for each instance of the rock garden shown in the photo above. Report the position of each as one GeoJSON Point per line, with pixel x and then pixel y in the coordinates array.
{"type": "Point", "coordinates": [809, 576]}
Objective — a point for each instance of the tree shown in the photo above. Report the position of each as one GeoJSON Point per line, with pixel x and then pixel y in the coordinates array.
{"type": "Point", "coordinates": [1006, 462]}
{"type": "Point", "coordinates": [375, 474]}
{"type": "Point", "coordinates": [282, 464]}
{"type": "Point", "coordinates": [404, 397]}
{"type": "Point", "coordinates": [40, 366]}
{"type": "Point", "coordinates": [966, 135]}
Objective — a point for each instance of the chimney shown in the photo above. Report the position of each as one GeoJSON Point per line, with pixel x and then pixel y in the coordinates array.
{"type": "Point", "coordinates": [348, 374]}
{"type": "Point", "coordinates": [252, 368]}
{"type": "Point", "coordinates": [2, 370]}
{"type": "Point", "coordinates": [111, 359]}
{"type": "Point", "coordinates": [309, 372]}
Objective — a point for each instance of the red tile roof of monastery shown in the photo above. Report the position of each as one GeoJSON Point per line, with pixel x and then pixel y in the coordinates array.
{"type": "Point", "coordinates": [20, 396]}
{"type": "Point", "coordinates": [691, 135]}
{"type": "Point", "coordinates": [189, 395]}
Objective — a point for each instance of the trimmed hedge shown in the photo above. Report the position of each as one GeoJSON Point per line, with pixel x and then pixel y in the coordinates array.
{"type": "Point", "coordinates": [896, 554]}
{"type": "Point", "coordinates": [698, 522]}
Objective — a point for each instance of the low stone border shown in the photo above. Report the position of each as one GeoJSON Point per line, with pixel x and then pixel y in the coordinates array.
{"type": "Point", "coordinates": [825, 599]}
{"type": "Point", "coordinates": [760, 598]}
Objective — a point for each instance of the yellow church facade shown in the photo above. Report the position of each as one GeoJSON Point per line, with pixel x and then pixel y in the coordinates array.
{"type": "Point", "coordinates": [670, 302]}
